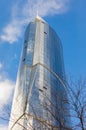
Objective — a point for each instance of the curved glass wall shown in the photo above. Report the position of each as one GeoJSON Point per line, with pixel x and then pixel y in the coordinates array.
{"type": "Point", "coordinates": [40, 83]}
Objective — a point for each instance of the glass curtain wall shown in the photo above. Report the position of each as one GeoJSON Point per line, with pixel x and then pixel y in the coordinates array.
{"type": "Point", "coordinates": [40, 85]}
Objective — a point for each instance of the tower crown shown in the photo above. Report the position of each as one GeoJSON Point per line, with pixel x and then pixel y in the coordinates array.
{"type": "Point", "coordinates": [38, 18]}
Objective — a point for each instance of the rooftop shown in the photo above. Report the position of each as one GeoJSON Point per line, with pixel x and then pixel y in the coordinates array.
{"type": "Point", "coordinates": [38, 18]}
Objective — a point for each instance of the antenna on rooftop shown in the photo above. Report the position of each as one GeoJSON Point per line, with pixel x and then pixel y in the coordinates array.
{"type": "Point", "coordinates": [37, 13]}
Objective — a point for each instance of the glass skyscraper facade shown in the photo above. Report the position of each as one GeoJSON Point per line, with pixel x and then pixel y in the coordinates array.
{"type": "Point", "coordinates": [40, 89]}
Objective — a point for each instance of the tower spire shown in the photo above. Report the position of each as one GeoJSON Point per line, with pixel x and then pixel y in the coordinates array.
{"type": "Point", "coordinates": [37, 13]}
{"type": "Point", "coordinates": [38, 18]}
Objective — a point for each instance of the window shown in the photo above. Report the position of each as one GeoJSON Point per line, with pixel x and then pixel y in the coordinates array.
{"type": "Point", "coordinates": [45, 32]}
{"type": "Point", "coordinates": [44, 87]}
{"type": "Point", "coordinates": [24, 59]}
{"type": "Point", "coordinates": [41, 90]}
{"type": "Point", "coordinates": [43, 22]}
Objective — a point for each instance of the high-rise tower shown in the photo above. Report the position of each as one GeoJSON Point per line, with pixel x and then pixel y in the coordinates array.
{"type": "Point", "coordinates": [38, 98]}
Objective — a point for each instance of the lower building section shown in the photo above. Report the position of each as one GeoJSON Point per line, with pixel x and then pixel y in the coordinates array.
{"type": "Point", "coordinates": [40, 105]}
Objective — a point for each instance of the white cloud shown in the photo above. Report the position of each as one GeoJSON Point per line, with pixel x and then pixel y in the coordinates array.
{"type": "Point", "coordinates": [6, 89]}
{"type": "Point", "coordinates": [11, 32]}
{"type": "Point", "coordinates": [3, 127]}
{"type": "Point", "coordinates": [1, 65]}
{"type": "Point", "coordinates": [6, 94]}
{"type": "Point", "coordinates": [24, 11]}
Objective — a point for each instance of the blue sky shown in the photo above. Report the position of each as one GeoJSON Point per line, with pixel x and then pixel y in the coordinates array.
{"type": "Point", "coordinates": [67, 18]}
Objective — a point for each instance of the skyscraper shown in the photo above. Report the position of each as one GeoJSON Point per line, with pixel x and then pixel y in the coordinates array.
{"type": "Point", "coordinates": [40, 89]}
